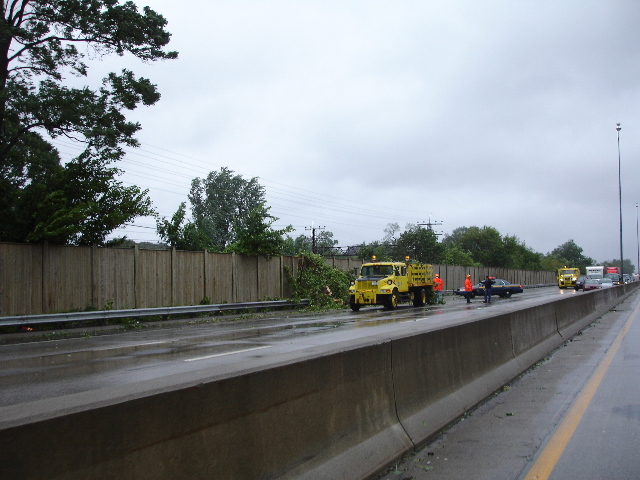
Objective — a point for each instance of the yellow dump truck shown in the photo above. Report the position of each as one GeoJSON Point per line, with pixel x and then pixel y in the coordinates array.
{"type": "Point", "coordinates": [567, 277]}
{"type": "Point", "coordinates": [389, 283]}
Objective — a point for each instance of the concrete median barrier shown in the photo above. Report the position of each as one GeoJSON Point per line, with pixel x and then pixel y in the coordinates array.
{"type": "Point", "coordinates": [274, 422]}
{"type": "Point", "coordinates": [338, 411]}
{"type": "Point", "coordinates": [432, 370]}
{"type": "Point", "coordinates": [576, 312]}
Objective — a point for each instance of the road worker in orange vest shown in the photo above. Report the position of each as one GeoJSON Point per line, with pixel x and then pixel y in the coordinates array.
{"type": "Point", "coordinates": [468, 284]}
{"type": "Point", "coordinates": [468, 287]}
{"type": "Point", "coordinates": [438, 285]}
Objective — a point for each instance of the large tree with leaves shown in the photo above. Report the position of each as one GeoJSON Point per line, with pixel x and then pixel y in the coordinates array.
{"type": "Point", "coordinates": [183, 234]}
{"type": "Point", "coordinates": [485, 245]}
{"type": "Point", "coordinates": [255, 235]}
{"type": "Point", "coordinates": [222, 204]}
{"type": "Point", "coordinates": [420, 243]}
{"type": "Point", "coordinates": [42, 42]}
{"type": "Point", "coordinates": [567, 255]}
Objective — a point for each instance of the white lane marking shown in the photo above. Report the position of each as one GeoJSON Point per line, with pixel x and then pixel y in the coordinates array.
{"type": "Point", "coordinates": [227, 353]}
{"type": "Point", "coordinates": [143, 344]}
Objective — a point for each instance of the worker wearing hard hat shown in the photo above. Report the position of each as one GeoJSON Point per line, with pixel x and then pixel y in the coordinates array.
{"type": "Point", "coordinates": [438, 285]}
{"type": "Point", "coordinates": [468, 287]}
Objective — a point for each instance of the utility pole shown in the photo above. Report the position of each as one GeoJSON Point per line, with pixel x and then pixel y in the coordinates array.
{"type": "Point", "coordinates": [618, 128]}
{"type": "Point", "coordinates": [313, 236]}
{"type": "Point", "coordinates": [637, 241]}
{"type": "Point", "coordinates": [430, 225]}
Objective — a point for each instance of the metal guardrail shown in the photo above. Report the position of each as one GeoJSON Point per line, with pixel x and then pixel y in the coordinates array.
{"type": "Point", "coordinates": [20, 320]}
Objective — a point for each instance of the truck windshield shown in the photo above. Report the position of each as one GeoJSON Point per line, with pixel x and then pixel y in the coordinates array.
{"type": "Point", "coordinates": [568, 272]}
{"type": "Point", "coordinates": [377, 270]}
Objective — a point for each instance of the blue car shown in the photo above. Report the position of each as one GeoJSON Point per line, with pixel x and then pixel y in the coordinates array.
{"type": "Point", "coordinates": [501, 287]}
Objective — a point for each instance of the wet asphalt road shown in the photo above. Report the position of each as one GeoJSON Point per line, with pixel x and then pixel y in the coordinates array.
{"type": "Point", "coordinates": [47, 369]}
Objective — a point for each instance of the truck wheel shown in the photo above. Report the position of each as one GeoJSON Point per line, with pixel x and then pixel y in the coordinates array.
{"type": "Point", "coordinates": [392, 301]}
{"type": "Point", "coordinates": [355, 306]}
{"type": "Point", "coordinates": [419, 297]}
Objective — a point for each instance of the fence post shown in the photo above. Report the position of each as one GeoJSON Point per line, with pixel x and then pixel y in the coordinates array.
{"type": "Point", "coordinates": [45, 277]}
{"type": "Point", "coordinates": [205, 280]}
{"type": "Point", "coordinates": [234, 276]}
{"type": "Point", "coordinates": [257, 278]}
{"type": "Point", "coordinates": [174, 275]}
{"type": "Point", "coordinates": [96, 274]}
{"type": "Point", "coordinates": [281, 276]}
{"type": "Point", "coordinates": [136, 276]}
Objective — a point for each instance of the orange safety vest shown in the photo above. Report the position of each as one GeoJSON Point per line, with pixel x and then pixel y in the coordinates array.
{"type": "Point", "coordinates": [439, 284]}
{"type": "Point", "coordinates": [468, 285]}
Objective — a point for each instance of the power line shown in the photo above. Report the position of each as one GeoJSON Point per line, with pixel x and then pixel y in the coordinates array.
{"type": "Point", "coordinates": [175, 171]}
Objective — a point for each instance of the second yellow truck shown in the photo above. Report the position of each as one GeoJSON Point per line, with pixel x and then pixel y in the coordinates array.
{"type": "Point", "coordinates": [567, 277]}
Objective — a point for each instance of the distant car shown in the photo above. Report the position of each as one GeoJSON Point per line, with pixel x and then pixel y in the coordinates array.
{"type": "Point", "coordinates": [626, 278]}
{"type": "Point", "coordinates": [501, 287]}
{"type": "Point", "coordinates": [592, 284]}
{"type": "Point", "coordinates": [580, 282]}
{"type": "Point", "coordinates": [606, 282]}
{"type": "Point", "coordinates": [616, 278]}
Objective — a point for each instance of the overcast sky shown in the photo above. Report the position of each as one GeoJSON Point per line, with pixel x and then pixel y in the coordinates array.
{"type": "Point", "coordinates": [355, 114]}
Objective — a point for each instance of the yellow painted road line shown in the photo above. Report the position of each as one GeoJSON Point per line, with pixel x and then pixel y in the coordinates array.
{"type": "Point", "coordinates": [227, 353]}
{"type": "Point", "coordinates": [552, 453]}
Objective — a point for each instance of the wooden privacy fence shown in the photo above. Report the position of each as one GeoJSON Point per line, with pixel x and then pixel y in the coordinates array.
{"type": "Point", "coordinates": [37, 279]}
{"type": "Point", "coordinates": [454, 275]}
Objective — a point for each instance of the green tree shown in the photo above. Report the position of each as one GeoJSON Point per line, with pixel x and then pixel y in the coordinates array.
{"type": "Point", "coordinates": [485, 245]}
{"type": "Point", "coordinates": [455, 237]}
{"type": "Point", "coordinates": [421, 244]}
{"type": "Point", "coordinates": [520, 256]}
{"type": "Point", "coordinates": [380, 250]}
{"type": "Point", "coordinates": [554, 262]}
{"type": "Point", "coordinates": [222, 204]}
{"type": "Point", "coordinates": [79, 203]}
{"type": "Point", "coordinates": [454, 255]}
{"type": "Point", "coordinates": [38, 48]}
{"type": "Point", "coordinates": [568, 254]}
{"type": "Point", "coordinates": [254, 235]}
{"type": "Point", "coordinates": [301, 244]}
{"type": "Point", "coordinates": [183, 237]}
{"type": "Point", "coordinates": [325, 242]}
{"type": "Point", "coordinates": [571, 252]}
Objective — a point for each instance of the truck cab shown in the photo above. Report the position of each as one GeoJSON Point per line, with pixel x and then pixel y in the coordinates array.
{"type": "Point", "coordinates": [567, 277]}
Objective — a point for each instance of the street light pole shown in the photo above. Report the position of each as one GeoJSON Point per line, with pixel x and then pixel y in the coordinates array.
{"type": "Point", "coordinates": [618, 127]}
{"type": "Point", "coordinates": [637, 240]}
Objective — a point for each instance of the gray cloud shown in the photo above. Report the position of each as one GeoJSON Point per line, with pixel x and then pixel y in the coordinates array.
{"type": "Point", "coordinates": [357, 114]}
